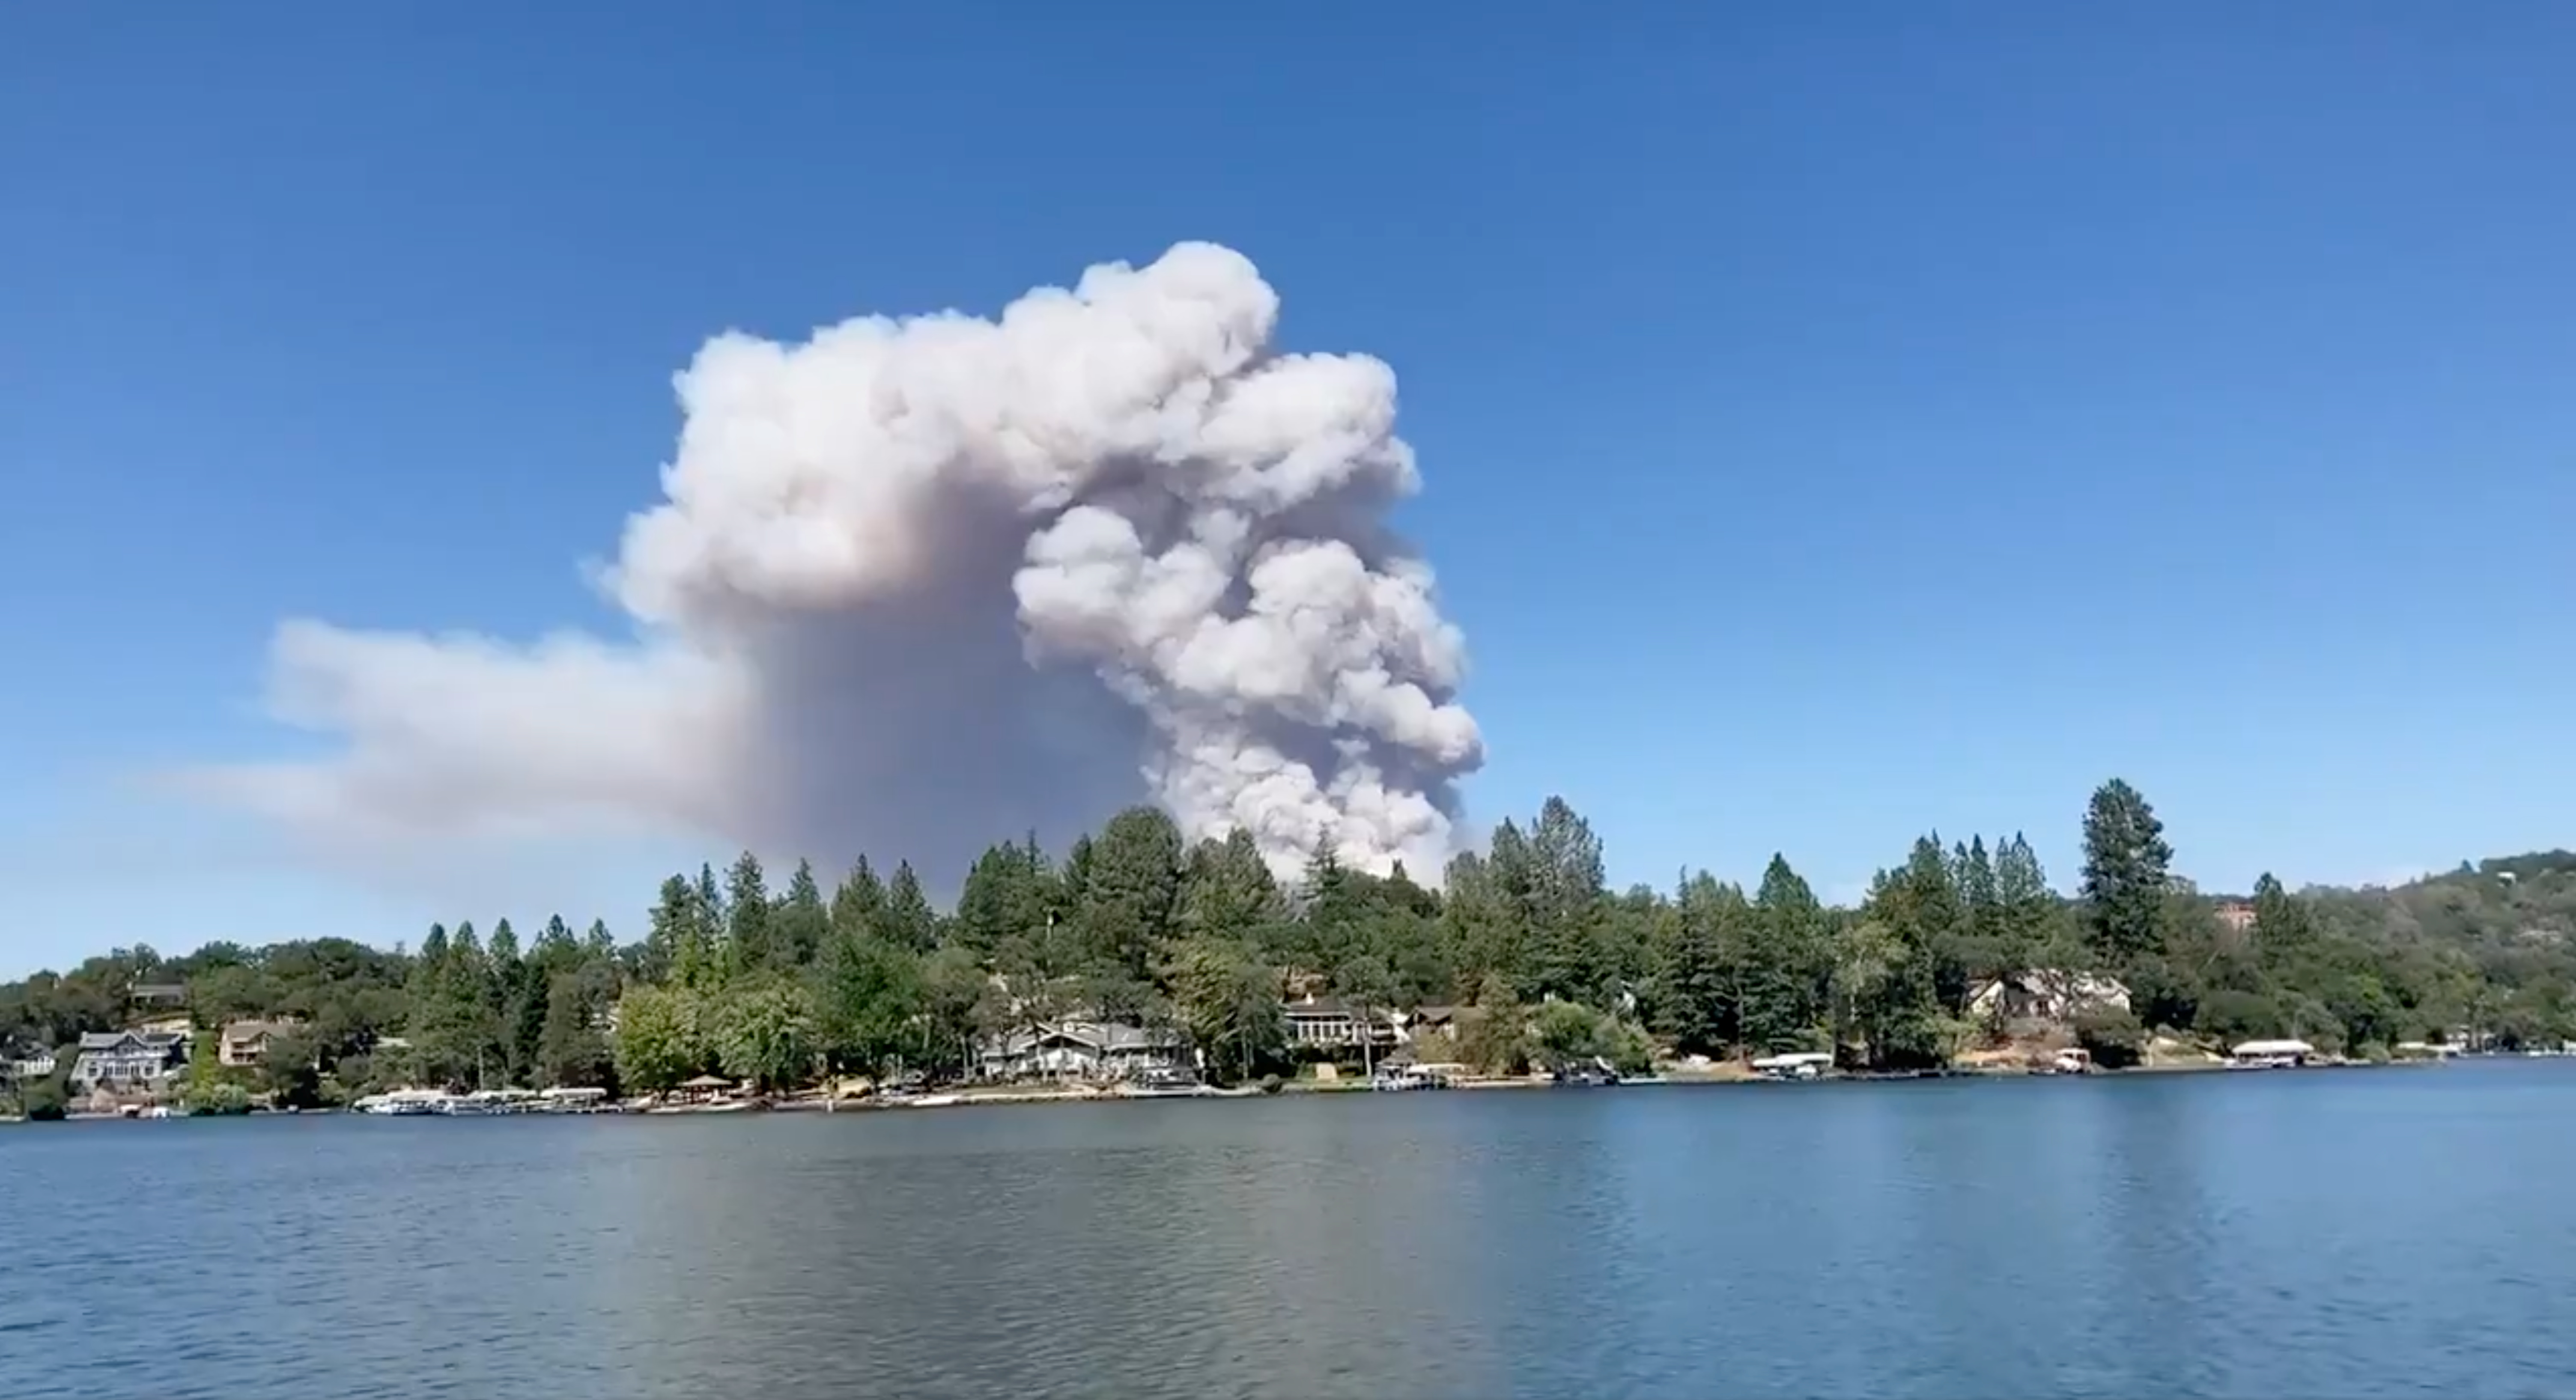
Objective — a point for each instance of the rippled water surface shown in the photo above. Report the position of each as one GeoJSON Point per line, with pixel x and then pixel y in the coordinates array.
{"type": "Point", "coordinates": [2402, 1232]}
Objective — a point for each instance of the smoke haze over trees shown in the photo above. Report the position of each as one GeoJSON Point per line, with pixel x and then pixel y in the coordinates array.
{"type": "Point", "coordinates": [915, 581]}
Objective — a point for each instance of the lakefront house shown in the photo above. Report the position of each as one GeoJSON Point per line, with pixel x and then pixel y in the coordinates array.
{"type": "Point", "coordinates": [1425, 1020]}
{"type": "Point", "coordinates": [1079, 1049]}
{"type": "Point", "coordinates": [2046, 994]}
{"type": "Point", "coordinates": [26, 1063]}
{"type": "Point", "coordinates": [245, 1043]}
{"type": "Point", "coordinates": [1330, 1023]}
{"type": "Point", "coordinates": [128, 1062]}
{"type": "Point", "coordinates": [147, 996]}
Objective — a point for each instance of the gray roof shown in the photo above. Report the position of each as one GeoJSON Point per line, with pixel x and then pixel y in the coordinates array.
{"type": "Point", "coordinates": [1333, 1009]}
{"type": "Point", "coordinates": [1099, 1037]}
{"type": "Point", "coordinates": [150, 1040]}
{"type": "Point", "coordinates": [1323, 1007]}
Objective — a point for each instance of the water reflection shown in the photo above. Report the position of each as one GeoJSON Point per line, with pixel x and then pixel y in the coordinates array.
{"type": "Point", "coordinates": [2215, 1235]}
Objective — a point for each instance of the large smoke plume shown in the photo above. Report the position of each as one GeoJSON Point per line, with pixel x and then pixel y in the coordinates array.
{"type": "Point", "coordinates": [918, 585]}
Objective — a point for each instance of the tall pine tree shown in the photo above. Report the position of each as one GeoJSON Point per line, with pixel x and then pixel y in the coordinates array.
{"type": "Point", "coordinates": [2127, 872]}
{"type": "Point", "coordinates": [1791, 958]}
{"type": "Point", "coordinates": [750, 946]}
{"type": "Point", "coordinates": [2025, 907]}
{"type": "Point", "coordinates": [1129, 893]}
{"type": "Point", "coordinates": [2283, 932]}
{"type": "Point", "coordinates": [801, 920]}
{"type": "Point", "coordinates": [1980, 892]}
{"type": "Point", "coordinates": [1700, 983]}
{"type": "Point", "coordinates": [713, 922]}
{"type": "Point", "coordinates": [676, 946]}
{"type": "Point", "coordinates": [859, 905]}
{"type": "Point", "coordinates": [1229, 892]}
{"type": "Point", "coordinates": [1566, 897]}
{"type": "Point", "coordinates": [910, 923]}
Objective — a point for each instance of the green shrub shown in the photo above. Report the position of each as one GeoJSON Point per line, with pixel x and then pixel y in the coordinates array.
{"type": "Point", "coordinates": [2308, 1019]}
{"type": "Point", "coordinates": [1493, 1035]}
{"type": "Point", "coordinates": [2235, 1016]}
{"type": "Point", "coordinates": [46, 1102]}
{"type": "Point", "coordinates": [1568, 1033]}
{"type": "Point", "coordinates": [217, 1100]}
{"type": "Point", "coordinates": [2112, 1037]}
{"type": "Point", "coordinates": [1630, 1050]}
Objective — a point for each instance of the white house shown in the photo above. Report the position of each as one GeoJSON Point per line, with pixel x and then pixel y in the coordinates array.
{"type": "Point", "coordinates": [32, 1064]}
{"type": "Point", "coordinates": [1328, 1022]}
{"type": "Point", "coordinates": [1080, 1050]}
{"type": "Point", "coordinates": [2046, 994]}
{"type": "Point", "coordinates": [128, 1061]}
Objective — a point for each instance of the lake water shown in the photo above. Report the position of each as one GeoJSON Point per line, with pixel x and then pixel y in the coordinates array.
{"type": "Point", "coordinates": [2328, 1233]}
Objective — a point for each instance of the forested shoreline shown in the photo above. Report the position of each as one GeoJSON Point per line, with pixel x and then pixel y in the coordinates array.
{"type": "Point", "coordinates": [1539, 958]}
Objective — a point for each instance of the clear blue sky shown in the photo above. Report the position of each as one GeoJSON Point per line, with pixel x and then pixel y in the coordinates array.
{"type": "Point", "coordinates": [1838, 421]}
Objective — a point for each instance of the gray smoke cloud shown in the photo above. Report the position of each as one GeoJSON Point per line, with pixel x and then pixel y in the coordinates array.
{"type": "Point", "coordinates": [918, 585]}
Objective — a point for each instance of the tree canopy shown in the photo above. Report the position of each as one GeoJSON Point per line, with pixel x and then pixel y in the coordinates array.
{"type": "Point", "coordinates": [1135, 924]}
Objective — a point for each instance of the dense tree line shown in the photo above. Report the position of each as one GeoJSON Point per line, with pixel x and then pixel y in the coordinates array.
{"type": "Point", "coordinates": [1542, 960]}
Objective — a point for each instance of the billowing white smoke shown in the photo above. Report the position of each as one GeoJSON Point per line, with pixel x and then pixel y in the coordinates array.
{"type": "Point", "coordinates": [921, 585]}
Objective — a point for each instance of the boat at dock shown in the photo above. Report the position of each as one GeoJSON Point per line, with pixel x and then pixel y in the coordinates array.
{"type": "Point", "coordinates": [703, 1106]}
{"type": "Point", "coordinates": [575, 1100]}
{"type": "Point", "coordinates": [1595, 1073]}
{"type": "Point", "coordinates": [1804, 1064]}
{"type": "Point", "coordinates": [1164, 1084]}
{"type": "Point", "coordinates": [2271, 1054]}
{"type": "Point", "coordinates": [404, 1103]}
